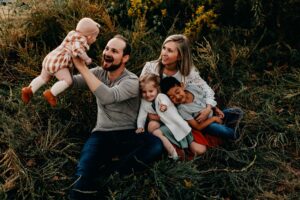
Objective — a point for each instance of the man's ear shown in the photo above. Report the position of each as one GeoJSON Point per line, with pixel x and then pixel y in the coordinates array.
{"type": "Point", "coordinates": [125, 59]}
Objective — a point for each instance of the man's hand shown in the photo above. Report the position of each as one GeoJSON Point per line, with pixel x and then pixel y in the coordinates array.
{"type": "Point", "coordinates": [88, 61]}
{"type": "Point", "coordinates": [92, 81]}
{"type": "Point", "coordinates": [78, 63]}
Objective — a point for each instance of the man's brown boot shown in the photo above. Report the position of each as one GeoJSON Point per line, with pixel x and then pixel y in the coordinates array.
{"type": "Point", "coordinates": [26, 94]}
{"type": "Point", "coordinates": [50, 98]}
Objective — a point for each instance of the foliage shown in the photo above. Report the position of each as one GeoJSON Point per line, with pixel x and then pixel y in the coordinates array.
{"type": "Point", "coordinates": [248, 52]}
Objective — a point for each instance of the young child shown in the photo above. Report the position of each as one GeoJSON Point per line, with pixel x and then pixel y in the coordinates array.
{"type": "Point", "coordinates": [176, 130]}
{"type": "Point", "coordinates": [190, 102]}
{"type": "Point", "coordinates": [58, 62]}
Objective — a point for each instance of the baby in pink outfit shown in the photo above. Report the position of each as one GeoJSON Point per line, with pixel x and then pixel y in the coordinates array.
{"type": "Point", "coordinates": [59, 61]}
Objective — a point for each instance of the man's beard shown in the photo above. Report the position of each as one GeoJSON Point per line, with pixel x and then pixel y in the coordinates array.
{"type": "Point", "coordinates": [112, 67]}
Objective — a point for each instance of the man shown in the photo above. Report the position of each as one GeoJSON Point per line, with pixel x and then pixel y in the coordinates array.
{"type": "Point", "coordinates": [117, 93]}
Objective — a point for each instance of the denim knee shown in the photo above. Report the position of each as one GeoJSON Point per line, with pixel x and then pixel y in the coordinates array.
{"type": "Point", "coordinates": [233, 117]}
{"type": "Point", "coordinates": [220, 130]}
{"type": "Point", "coordinates": [156, 147]}
{"type": "Point", "coordinates": [93, 155]}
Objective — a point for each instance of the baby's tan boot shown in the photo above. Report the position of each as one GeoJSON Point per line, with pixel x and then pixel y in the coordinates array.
{"type": "Point", "coordinates": [50, 98]}
{"type": "Point", "coordinates": [26, 94]}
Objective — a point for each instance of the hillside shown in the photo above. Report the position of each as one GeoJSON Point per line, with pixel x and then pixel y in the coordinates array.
{"type": "Point", "coordinates": [247, 51]}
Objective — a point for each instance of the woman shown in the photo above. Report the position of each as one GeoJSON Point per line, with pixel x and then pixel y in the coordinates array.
{"type": "Point", "coordinates": [176, 60]}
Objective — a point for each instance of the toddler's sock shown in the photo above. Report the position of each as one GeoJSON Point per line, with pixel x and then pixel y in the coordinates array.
{"type": "Point", "coordinates": [59, 87]}
{"type": "Point", "coordinates": [37, 83]}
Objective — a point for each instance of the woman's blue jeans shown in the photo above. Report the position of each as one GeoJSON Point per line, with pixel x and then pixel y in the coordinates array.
{"type": "Point", "coordinates": [227, 130]}
{"type": "Point", "coordinates": [135, 152]}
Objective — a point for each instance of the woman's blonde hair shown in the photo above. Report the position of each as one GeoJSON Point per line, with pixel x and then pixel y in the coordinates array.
{"type": "Point", "coordinates": [185, 63]}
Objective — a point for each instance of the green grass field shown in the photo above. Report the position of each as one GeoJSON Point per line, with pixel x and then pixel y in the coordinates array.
{"type": "Point", "coordinates": [253, 66]}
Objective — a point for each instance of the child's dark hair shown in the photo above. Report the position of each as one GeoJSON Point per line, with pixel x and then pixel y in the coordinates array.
{"type": "Point", "coordinates": [167, 83]}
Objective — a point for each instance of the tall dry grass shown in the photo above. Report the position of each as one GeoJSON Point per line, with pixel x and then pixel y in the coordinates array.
{"type": "Point", "coordinates": [39, 146]}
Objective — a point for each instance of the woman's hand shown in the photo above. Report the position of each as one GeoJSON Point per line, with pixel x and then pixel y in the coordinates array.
{"type": "Point", "coordinates": [153, 117]}
{"type": "Point", "coordinates": [203, 115]}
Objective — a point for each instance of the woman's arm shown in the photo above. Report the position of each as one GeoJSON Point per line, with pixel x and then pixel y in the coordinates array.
{"type": "Point", "coordinates": [194, 79]}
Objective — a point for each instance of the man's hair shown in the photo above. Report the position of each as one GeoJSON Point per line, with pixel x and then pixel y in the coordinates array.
{"type": "Point", "coordinates": [127, 49]}
{"type": "Point", "coordinates": [167, 83]}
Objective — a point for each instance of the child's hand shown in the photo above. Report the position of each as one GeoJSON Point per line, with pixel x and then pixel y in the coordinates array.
{"type": "Point", "coordinates": [203, 115]}
{"type": "Point", "coordinates": [163, 107]}
{"type": "Point", "coordinates": [88, 61]}
{"type": "Point", "coordinates": [219, 113]}
{"type": "Point", "coordinates": [140, 130]}
{"type": "Point", "coordinates": [217, 119]}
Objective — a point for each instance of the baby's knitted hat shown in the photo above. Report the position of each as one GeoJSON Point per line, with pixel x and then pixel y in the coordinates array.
{"type": "Point", "coordinates": [87, 26]}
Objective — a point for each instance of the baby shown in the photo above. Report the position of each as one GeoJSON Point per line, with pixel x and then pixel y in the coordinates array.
{"type": "Point", "coordinates": [59, 61]}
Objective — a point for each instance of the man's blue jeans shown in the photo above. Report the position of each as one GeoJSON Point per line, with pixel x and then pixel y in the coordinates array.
{"type": "Point", "coordinates": [135, 152]}
{"type": "Point", "coordinates": [227, 130]}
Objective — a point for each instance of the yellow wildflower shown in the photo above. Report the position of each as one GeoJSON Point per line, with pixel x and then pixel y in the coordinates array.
{"type": "Point", "coordinates": [164, 12]}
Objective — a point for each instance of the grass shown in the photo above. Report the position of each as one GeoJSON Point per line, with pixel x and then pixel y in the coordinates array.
{"type": "Point", "coordinates": [39, 146]}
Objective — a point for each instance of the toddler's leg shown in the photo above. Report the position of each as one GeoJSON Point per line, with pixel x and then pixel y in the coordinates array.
{"type": "Point", "coordinates": [39, 81]}
{"type": "Point", "coordinates": [42, 79]}
{"type": "Point", "coordinates": [65, 80]}
{"type": "Point", "coordinates": [197, 149]}
{"type": "Point", "coordinates": [167, 144]}
{"type": "Point", "coordinates": [153, 125]}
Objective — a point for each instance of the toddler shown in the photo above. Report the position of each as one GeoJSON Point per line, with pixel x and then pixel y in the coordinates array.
{"type": "Point", "coordinates": [58, 62]}
{"type": "Point", "coordinates": [190, 102]}
{"type": "Point", "coordinates": [176, 130]}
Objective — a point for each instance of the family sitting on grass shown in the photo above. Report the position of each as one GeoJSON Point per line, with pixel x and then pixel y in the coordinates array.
{"type": "Point", "coordinates": [178, 110]}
